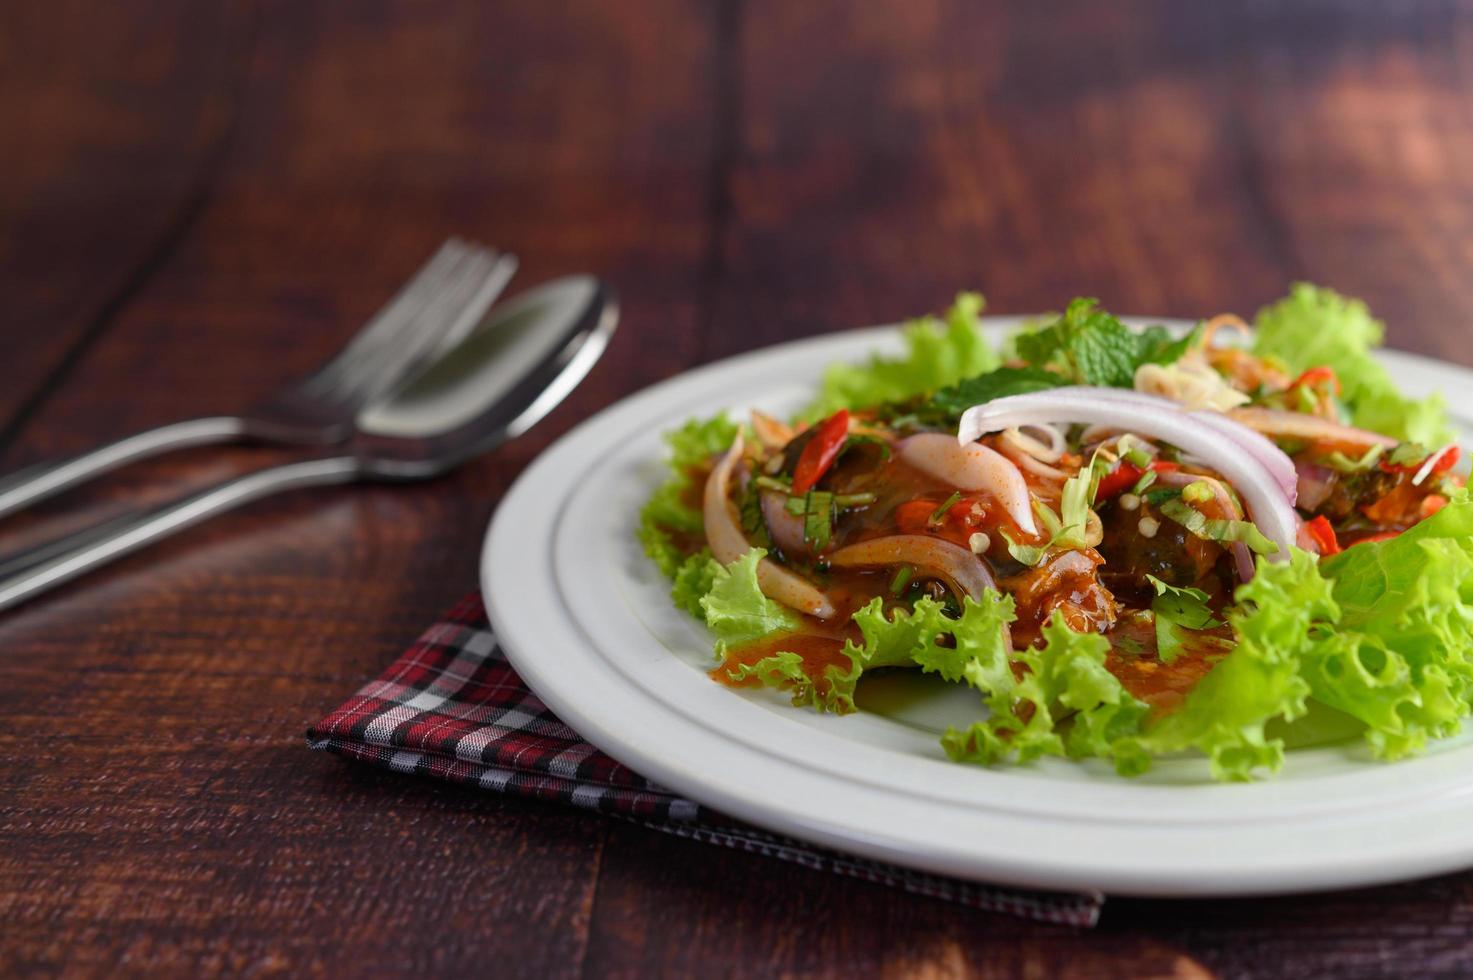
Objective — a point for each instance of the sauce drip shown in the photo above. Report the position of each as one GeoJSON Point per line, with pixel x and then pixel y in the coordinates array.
{"type": "Point", "coordinates": [816, 651]}
{"type": "Point", "coordinates": [1134, 661]}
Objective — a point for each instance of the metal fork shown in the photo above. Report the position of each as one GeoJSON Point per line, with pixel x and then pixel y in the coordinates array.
{"type": "Point", "coordinates": [433, 311]}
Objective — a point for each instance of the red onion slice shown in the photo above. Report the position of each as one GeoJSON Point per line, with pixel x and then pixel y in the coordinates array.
{"type": "Point", "coordinates": [1314, 484]}
{"type": "Point", "coordinates": [728, 543]}
{"type": "Point", "coordinates": [973, 468]}
{"type": "Point", "coordinates": [1274, 459]}
{"type": "Point", "coordinates": [933, 557]}
{"type": "Point", "coordinates": [786, 529]}
{"type": "Point", "coordinates": [1280, 424]}
{"type": "Point", "coordinates": [1265, 499]}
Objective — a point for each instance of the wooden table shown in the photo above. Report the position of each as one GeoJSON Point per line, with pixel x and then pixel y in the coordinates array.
{"type": "Point", "coordinates": [199, 200]}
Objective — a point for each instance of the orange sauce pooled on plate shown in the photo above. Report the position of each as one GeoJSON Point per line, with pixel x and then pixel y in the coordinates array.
{"type": "Point", "coordinates": [817, 652]}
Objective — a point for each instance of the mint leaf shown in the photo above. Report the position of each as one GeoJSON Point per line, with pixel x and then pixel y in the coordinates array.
{"type": "Point", "coordinates": [1092, 347]}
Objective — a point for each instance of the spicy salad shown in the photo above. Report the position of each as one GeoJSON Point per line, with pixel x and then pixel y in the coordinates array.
{"type": "Point", "coordinates": [1130, 543]}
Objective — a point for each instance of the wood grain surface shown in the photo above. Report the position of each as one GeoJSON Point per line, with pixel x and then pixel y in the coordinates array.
{"type": "Point", "coordinates": [201, 200]}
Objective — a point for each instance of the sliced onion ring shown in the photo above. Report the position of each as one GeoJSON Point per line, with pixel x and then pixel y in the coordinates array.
{"type": "Point", "coordinates": [1274, 459]}
{"type": "Point", "coordinates": [1265, 498]}
{"type": "Point", "coordinates": [1277, 423]}
{"type": "Point", "coordinates": [786, 529]}
{"type": "Point", "coordinates": [933, 557]}
{"type": "Point", "coordinates": [728, 543]}
{"type": "Point", "coordinates": [974, 469]}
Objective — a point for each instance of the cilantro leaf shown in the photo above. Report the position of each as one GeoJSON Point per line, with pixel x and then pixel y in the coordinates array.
{"type": "Point", "coordinates": [1178, 609]}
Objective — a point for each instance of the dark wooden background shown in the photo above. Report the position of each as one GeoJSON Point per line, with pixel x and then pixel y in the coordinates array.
{"type": "Point", "coordinates": [201, 199]}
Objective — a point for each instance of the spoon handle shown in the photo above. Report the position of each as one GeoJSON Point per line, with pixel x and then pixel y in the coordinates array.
{"type": "Point", "coordinates": [44, 480]}
{"type": "Point", "coordinates": [89, 549]}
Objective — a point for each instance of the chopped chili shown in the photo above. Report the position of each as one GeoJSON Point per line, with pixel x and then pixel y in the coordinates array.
{"type": "Point", "coordinates": [1315, 376]}
{"type": "Point", "coordinates": [1323, 535]}
{"type": "Point", "coordinates": [821, 451]}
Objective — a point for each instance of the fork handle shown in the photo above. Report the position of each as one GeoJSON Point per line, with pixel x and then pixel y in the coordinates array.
{"type": "Point", "coordinates": [45, 480]}
{"type": "Point", "coordinates": [92, 548]}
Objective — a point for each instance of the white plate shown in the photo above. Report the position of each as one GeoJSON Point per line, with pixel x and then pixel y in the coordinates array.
{"type": "Point", "coordinates": [587, 622]}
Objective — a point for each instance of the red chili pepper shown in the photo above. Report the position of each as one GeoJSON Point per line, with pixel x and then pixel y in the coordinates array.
{"type": "Point", "coordinates": [1445, 462]}
{"type": "Point", "coordinates": [1118, 480]}
{"type": "Point", "coordinates": [1324, 535]}
{"type": "Point", "coordinates": [821, 451]}
{"type": "Point", "coordinates": [1165, 466]}
{"type": "Point", "coordinates": [1316, 375]}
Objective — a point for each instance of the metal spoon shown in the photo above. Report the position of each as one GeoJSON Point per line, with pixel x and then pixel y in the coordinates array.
{"type": "Point", "coordinates": [443, 301]}
{"type": "Point", "coordinates": [527, 355]}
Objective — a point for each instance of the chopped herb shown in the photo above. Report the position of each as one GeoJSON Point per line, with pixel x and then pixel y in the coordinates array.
{"type": "Point", "coordinates": [1220, 531]}
{"type": "Point", "coordinates": [1147, 478]}
{"type": "Point", "coordinates": [752, 521]}
{"type": "Point", "coordinates": [1199, 492]}
{"type": "Point", "coordinates": [1129, 646]}
{"type": "Point", "coordinates": [1408, 454]}
{"type": "Point", "coordinates": [1161, 495]}
{"type": "Point", "coordinates": [1345, 464]}
{"type": "Point", "coordinates": [901, 579]}
{"type": "Point", "coordinates": [818, 518]}
{"type": "Point", "coordinates": [1138, 457]}
{"type": "Point", "coordinates": [781, 485]}
{"type": "Point", "coordinates": [1178, 609]}
{"type": "Point", "coordinates": [940, 512]}
{"type": "Point", "coordinates": [1023, 554]}
{"type": "Point", "coordinates": [844, 500]}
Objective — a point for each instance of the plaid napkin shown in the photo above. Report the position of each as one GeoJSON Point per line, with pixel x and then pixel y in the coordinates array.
{"type": "Point", "coordinates": [452, 707]}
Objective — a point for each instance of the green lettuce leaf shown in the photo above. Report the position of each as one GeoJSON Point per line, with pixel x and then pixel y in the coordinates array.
{"type": "Point", "coordinates": [693, 579]}
{"type": "Point", "coordinates": [1401, 657]}
{"type": "Point", "coordinates": [1382, 632]}
{"type": "Point", "coordinates": [666, 513]}
{"type": "Point", "coordinates": [735, 608]}
{"type": "Point", "coordinates": [888, 642]}
{"type": "Point", "coordinates": [1225, 714]}
{"type": "Point", "coordinates": [1315, 326]}
{"type": "Point", "coordinates": [938, 354]}
{"type": "Point", "coordinates": [1059, 700]}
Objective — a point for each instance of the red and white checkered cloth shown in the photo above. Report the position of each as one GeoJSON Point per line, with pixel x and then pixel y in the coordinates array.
{"type": "Point", "coordinates": [452, 707]}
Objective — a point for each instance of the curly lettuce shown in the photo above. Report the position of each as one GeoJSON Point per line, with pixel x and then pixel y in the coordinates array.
{"type": "Point", "coordinates": [1058, 700]}
{"type": "Point", "coordinates": [668, 513]}
{"type": "Point", "coordinates": [736, 610]}
{"type": "Point", "coordinates": [1381, 634]}
{"type": "Point", "coordinates": [1316, 326]}
{"type": "Point", "coordinates": [939, 353]}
